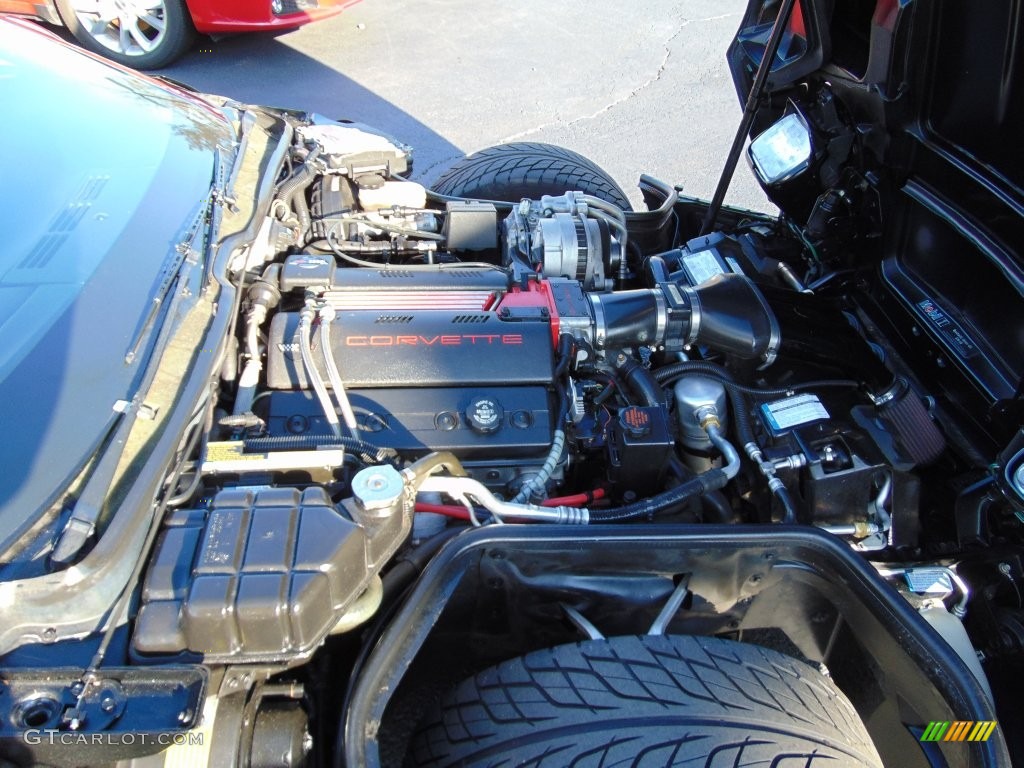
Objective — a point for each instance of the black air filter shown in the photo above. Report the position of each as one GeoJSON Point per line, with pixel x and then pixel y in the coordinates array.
{"type": "Point", "coordinates": [904, 413]}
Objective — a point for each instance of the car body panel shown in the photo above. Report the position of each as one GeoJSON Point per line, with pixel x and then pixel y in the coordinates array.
{"type": "Point", "coordinates": [45, 11]}
{"type": "Point", "coordinates": [210, 16]}
{"type": "Point", "coordinates": [936, 91]}
{"type": "Point", "coordinates": [229, 16]}
{"type": "Point", "coordinates": [117, 203]}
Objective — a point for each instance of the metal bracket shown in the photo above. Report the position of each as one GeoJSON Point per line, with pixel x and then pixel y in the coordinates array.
{"type": "Point", "coordinates": [671, 608]}
{"type": "Point", "coordinates": [116, 700]}
{"type": "Point", "coordinates": [582, 623]}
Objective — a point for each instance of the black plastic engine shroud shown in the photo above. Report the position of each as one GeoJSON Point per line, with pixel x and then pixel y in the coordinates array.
{"type": "Point", "coordinates": [417, 348]}
{"type": "Point", "coordinates": [416, 421]}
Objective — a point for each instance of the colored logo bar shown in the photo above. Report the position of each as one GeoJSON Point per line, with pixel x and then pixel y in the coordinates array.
{"type": "Point", "coordinates": [959, 730]}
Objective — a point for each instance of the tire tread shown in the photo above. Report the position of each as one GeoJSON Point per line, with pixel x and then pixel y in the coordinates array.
{"type": "Point", "coordinates": [643, 701]}
{"type": "Point", "coordinates": [528, 165]}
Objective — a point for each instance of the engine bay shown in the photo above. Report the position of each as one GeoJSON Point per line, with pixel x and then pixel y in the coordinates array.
{"type": "Point", "coordinates": [496, 337]}
{"type": "Point", "coordinates": [516, 468]}
{"type": "Point", "coordinates": [408, 363]}
{"type": "Point", "coordinates": [567, 361]}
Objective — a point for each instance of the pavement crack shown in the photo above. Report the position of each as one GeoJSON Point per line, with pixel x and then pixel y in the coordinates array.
{"type": "Point", "coordinates": [667, 45]}
{"type": "Point", "coordinates": [719, 17]}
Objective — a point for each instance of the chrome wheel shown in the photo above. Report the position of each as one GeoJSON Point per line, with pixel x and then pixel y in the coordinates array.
{"type": "Point", "coordinates": [128, 27]}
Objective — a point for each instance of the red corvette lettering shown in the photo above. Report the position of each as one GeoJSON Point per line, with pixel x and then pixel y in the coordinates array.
{"type": "Point", "coordinates": [448, 340]}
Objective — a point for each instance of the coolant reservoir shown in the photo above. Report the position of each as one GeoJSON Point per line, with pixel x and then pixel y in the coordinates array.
{"type": "Point", "coordinates": [405, 194]}
{"type": "Point", "coordinates": [953, 632]}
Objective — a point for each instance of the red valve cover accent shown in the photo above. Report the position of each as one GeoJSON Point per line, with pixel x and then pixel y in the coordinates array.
{"type": "Point", "coordinates": [537, 294]}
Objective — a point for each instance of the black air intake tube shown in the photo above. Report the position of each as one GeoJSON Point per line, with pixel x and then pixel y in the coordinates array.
{"type": "Point", "coordinates": [727, 313]}
{"type": "Point", "coordinates": [735, 318]}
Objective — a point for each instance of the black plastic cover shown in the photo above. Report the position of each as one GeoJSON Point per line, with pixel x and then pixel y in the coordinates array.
{"type": "Point", "coordinates": [845, 463]}
{"type": "Point", "coordinates": [419, 348]}
{"type": "Point", "coordinates": [471, 226]}
{"type": "Point", "coordinates": [641, 445]}
{"type": "Point", "coordinates": [429, 419]}
{"type": "Point", "coordinates": [259, 575]}
{"type": "Point", "coordinates": [304, 270]}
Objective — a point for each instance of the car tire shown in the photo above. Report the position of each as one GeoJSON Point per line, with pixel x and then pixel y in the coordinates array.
{"type": "Point", "coordinates": [510, 172]}
{"type": "Point", "coordinates": [655, 700]}
{"type": "Point", "coordinates": [139, 43]}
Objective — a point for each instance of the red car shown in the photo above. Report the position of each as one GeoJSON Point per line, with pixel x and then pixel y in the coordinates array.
{"type": "Point", "coordinates": [147, 34]}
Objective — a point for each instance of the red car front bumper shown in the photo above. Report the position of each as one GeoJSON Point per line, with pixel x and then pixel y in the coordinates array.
{"type": "Point", "coordinates": [212, 16]}
{"type": "Point", "coordinates": [221, 16]}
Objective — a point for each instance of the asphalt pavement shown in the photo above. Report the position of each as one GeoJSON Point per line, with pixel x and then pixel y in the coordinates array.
{"type": "Point", "coordinates": [637, 87]}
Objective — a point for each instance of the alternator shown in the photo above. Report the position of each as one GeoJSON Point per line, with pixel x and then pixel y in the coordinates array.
{"type": "Point", "coordinates": [565, 242]}
{"type": "Point", "coordinates": [570, 246]}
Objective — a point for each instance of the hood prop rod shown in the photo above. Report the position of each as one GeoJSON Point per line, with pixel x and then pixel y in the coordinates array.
{"type": "Point", "coordinates": [749, 111]}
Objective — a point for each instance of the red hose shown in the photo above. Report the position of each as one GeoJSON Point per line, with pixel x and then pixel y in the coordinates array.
{"type": "Point", "coordinates": [575, 500]}
{"type": "Point", "coordinates": [444, 509]}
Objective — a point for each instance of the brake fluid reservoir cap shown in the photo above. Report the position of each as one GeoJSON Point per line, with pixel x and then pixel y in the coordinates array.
{"type": "Point", "coordinates": [485, 415]}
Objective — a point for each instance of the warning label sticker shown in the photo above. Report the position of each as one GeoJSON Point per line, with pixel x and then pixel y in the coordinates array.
{"type": "Point", "coordinates": [793, 412]}
{"type": "Point", "coordinates": [702, 265]}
